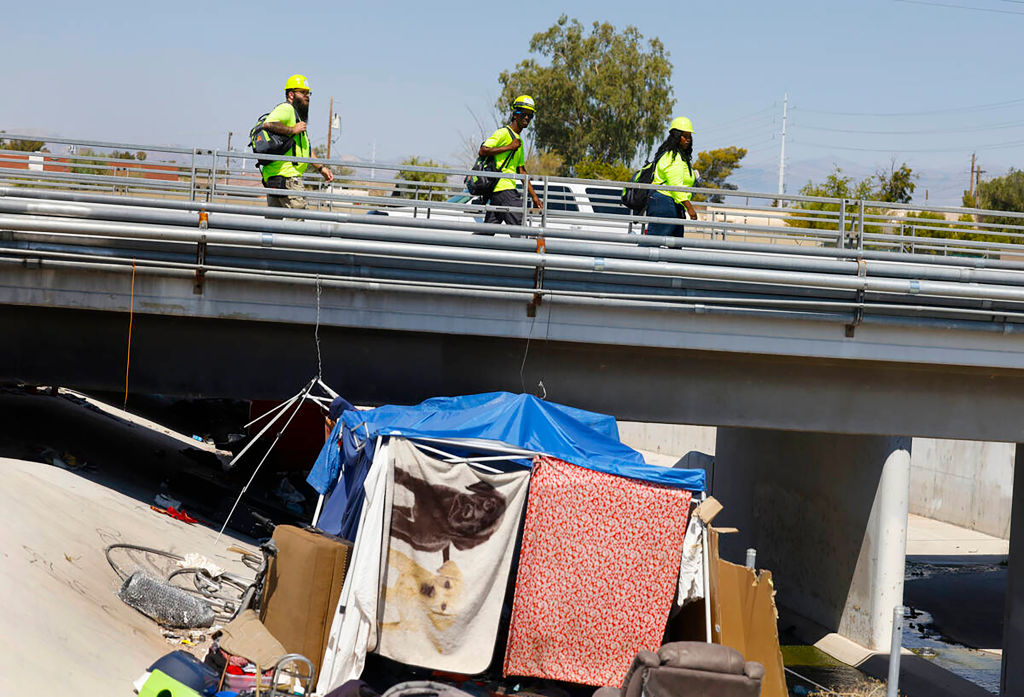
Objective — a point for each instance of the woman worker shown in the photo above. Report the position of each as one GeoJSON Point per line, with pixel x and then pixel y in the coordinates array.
{"type": "Point", "coordinates": [673, 168]}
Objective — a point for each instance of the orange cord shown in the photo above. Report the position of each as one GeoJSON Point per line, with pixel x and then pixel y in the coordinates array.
{"type": "Point", "coordinates": [131, 316]}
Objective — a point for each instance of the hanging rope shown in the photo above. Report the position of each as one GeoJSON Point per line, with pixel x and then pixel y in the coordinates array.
{"type": "Point", "coordinates": [316, 330]}
{"type": "Point", "coordinates": [299, 400]}
{"type": "Point", "coordinates": [128, 359]}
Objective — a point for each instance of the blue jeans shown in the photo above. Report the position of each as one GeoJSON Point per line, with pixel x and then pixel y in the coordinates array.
{"type": "Point", "coordinates": [662, 206]}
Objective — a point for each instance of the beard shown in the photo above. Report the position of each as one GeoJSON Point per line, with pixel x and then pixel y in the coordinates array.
{"type": "Point", "coordinates": [302, 110]}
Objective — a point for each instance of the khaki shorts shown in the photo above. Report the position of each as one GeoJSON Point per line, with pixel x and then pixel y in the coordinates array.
{"type": "Point", "coordinates": [287, 201]}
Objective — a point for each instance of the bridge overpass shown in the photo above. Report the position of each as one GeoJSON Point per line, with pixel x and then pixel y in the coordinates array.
{"type": "Point", "coordinates": [819, 335]}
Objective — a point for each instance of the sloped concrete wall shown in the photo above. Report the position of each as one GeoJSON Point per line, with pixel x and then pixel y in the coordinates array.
{"type": "Point", "coordinates": [966, 483]}
{"type": "Point", "coordinates": [963, 482]}
{"type": "Point", "coordinates": [827, 513]}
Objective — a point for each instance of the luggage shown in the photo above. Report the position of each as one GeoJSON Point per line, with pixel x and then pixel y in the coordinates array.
{"type": "Point", "coordinates": [302, 588]}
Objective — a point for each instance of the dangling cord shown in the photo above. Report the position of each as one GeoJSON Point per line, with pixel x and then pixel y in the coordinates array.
{"type": "Point", "coordinates": [128, 359]}
{"type": "Point", "coordinates": [316, 330]}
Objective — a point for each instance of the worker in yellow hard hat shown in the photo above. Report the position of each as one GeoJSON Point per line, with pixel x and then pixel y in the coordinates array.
{"type": "Point", "coordinates": [506, 147]}
{"type": "Point", "coordinates": [673, 167]}
{"type": "Point", "coordinates": [289, 119]}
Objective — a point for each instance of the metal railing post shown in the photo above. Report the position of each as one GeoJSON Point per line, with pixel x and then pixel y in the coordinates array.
{"type": "Point", "coordinates": [544, 202]}
{"type": "Point", "coordinates": [860, 226]}
{"type": "Point", "coordinates": [213, 179]}
{"type": "Point", "coordinates": [526, 199]}
{"type": "Point", "coordinates": [841, 238]}
{"type": "Point", "coordinates": [192, 178]}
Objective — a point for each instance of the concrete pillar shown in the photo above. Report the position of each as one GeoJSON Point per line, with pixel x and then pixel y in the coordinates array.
{"type": "Point", "coordinates": [827, 514]}
{"type": "Point", "coordinates": [1012, 682]}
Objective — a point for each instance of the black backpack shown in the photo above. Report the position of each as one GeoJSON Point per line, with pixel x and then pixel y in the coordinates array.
{"type": "Point", "coordinates": [484, 186]}
{"type": "Point", "coordinates": [263, 142]}
{"type": "Point", "coordinates": [636, 199]}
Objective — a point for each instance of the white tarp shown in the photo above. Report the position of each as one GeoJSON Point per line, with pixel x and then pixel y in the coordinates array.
{"type": "Point", "coordinates": [354, 628]}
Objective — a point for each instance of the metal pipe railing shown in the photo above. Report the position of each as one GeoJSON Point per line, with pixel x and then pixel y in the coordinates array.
{"type": "Point", "coordinates": [547, 260]}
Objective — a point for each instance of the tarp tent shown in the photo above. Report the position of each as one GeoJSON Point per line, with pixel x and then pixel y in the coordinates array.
{"type": "Point", "coordinates": [482, 423]}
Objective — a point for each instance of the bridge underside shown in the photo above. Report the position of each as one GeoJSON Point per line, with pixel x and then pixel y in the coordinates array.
{"type": "Point", "coordinates": [246, 359]}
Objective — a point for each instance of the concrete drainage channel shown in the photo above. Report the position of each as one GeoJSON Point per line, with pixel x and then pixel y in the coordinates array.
{"type": "Point", "coordinates": [954, 616]}
{"type": "Point", "coordinates": [811, 671]}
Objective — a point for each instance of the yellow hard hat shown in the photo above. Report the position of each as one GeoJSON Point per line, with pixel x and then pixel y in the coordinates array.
{"type": "Point", "coordinates": [524, 102]}
{"type": "Point", "coordinates": [297, 82]}
{"type": "Point", "coordinates": [681, 123]}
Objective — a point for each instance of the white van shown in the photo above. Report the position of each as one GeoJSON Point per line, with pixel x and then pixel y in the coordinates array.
{"type": "Point", "coordinates": [568, 206]}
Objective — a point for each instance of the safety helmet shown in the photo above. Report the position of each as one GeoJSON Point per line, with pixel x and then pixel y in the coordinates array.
{"type": "Point", "coordinates": [524, 102]}
{"type": "Point", "coordinates": [297, 82]}
{"type": "Point", "coordinates": [681, 123]}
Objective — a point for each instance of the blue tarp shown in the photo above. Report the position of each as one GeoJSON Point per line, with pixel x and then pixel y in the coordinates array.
{"type": "Point", "coordinates": [521, 421]}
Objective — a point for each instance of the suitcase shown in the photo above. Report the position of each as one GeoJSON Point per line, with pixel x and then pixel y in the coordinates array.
{"type": "Point", "coordinates": [303, 584]}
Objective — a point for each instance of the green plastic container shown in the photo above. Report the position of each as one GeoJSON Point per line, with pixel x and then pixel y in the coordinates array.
{"type": "Point", "coordinates": [161, 684]}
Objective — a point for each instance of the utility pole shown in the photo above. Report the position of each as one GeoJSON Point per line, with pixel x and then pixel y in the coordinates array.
{"type": "Point", "coordinates": [972, 176]}
{"type": "Point", "coordinates": [978, 171]}
{"type": "Point", "coordinates": [330, 128]}
{"type": "Point", "coordinates": [782, 150]}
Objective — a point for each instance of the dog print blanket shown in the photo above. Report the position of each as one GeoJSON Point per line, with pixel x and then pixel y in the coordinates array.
{"type": "Point", "coordinates": [597, 573]}
{"type": "Point", "coordinates": [453, 530]}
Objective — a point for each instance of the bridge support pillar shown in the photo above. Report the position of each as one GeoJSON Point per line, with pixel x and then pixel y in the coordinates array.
{"type": "Point", "coordinates": [1012, 682]}
{"type": "Point", "coordinates": [827, 514]}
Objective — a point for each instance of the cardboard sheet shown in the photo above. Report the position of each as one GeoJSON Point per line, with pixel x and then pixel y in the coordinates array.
{"type": "Point", "coordinates": [743, 616]}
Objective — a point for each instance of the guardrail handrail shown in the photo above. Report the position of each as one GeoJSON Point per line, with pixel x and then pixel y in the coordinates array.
{"type": "Point", "coordinates": [226, 175]}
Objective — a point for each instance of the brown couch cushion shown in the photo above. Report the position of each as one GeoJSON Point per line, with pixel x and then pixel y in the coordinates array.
{"type": "Point", "coordinates": [304, 581]}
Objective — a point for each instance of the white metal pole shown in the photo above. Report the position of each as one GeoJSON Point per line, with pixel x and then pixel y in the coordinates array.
{"type": "Point", "coordinates": [893, 686]}
{"type": "Point", "coordinates": [706, 552]}
{"type": "Point", "coordinates": [316, 513]}
{"type": "Point", "coordinates": [782, 150]}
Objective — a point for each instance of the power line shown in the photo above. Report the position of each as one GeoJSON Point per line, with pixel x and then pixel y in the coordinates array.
{"type": "Point", "coordinates": [961, 148]}
{"type": "Point", "coordinates": [994, 127]}
{"type": "Point", "coordinates": [961, 7]}
{"type": "Point", "coordinates": [954, 110]}
{"type": "Point", "coordinates": [740, 119]}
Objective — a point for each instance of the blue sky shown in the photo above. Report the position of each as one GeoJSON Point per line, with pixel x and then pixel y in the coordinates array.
{"type": "Point", "coordinates": [928, 82]}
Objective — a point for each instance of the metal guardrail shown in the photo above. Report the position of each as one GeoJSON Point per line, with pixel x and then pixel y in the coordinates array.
{"type": "Point", "coordinates": [201, 214]}
{"type": "Point", "coordinates": [218, 176]}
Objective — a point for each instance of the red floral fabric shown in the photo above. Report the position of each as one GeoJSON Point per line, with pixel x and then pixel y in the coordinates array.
{"type": "Point", "coordinates": [597, 573]}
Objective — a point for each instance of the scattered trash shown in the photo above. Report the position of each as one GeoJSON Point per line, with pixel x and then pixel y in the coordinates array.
{"type": "Point", "coordinates": [177, 514]}
{"type": "Point", "coordinates": [164, 501]}
{"type": "Point", "coordinates": [66, 460]}
{"type": "Point", "coordinates": [291, 497]}
{"type": "Point", "coordinates": [198, 561]}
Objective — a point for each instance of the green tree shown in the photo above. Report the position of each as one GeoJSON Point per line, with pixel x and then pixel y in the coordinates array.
{"type": "Point", "coordinates": [1004, 193]}
{"type": "Point", "coordinates": [22, 145]}
{"type": "Point", "coordinates": [715, 166]}
{"type": "Point", "coordinates": [88, 161]}
{"type": "Point", "coordinates": [425, 186]}
{"type": "Point", "coordinates": [897, 185]}
{"type": "Point", "coordinates": [545, 162]}
{"type": "Point", "coordinates": [604, 95]}
{"type": "Point", "coordinates": [805, 213]}
{"type": "Point", "coordinates": [596, 169]}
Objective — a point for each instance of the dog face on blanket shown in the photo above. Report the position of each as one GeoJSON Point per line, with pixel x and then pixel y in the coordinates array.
{"type": "Point", "coordinates": [418, 596]}
{"type": "Point", "coordinates": [442, 515]}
